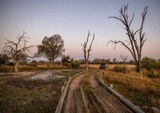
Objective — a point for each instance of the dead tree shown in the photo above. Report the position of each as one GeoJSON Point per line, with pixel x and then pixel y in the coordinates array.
{"type": "Point", "coordinates": [16, 49]}
{"type": "Point", "coordinates": [86, 51]}
{"type": "Point", "coordinates": [134, 45]}
{"type": "Point", "coordinates": [124, 58]}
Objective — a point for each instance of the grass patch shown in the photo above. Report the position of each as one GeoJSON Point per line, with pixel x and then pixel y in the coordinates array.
{"type": "Point", "coordinates": [135, 88]}
{"type": "Point", "coordinates": [20, 95]}
{"type": "Point", "coordinates": [23, 96]}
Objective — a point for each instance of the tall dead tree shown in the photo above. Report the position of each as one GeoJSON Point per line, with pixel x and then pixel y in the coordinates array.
{"type": "Point", "coordinates": [86, 51]}
{"type": "Point", "coordinates": [16, 49]}
{"type": "Point", "coordinates": [134, 45]}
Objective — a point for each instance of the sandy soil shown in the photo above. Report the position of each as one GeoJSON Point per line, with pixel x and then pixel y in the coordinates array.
{"type": "Point", "coordinates": [70, 102]}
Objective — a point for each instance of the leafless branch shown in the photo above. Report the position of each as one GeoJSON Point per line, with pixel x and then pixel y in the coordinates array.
{"type": "Point", "coordinates": [16, 49]}
{"type": "Point", "coordinates": [124, 58]}
{"type": "Point", "coordinates": [87, 51]}
{"type": "Point", "coordinates": [136, 45]}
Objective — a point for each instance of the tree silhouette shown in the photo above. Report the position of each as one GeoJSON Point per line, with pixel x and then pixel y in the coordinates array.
{"type": "Point", "coordinates": [86, 51]}
{"type": "Point", "coordinates": [124, 58]}
{"type": "Point", "coordinates": [134, 45]}
{"type": "Point", "coordinates": [17, 49]}
{"type": "Point", "coordinates": [52, 47]}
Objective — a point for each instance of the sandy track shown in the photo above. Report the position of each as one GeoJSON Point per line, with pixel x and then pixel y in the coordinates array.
{"type": "Point", "coordinates": [73, 99]}
{"type": "Point", "coordinates": [74, 103]}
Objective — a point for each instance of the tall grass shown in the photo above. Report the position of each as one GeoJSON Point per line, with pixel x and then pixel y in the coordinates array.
{"type": "Point", "coordinates": [134, 87]}
{"type": "Point", "coordinates": [118, 68]}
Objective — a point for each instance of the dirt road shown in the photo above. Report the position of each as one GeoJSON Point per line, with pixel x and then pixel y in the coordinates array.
{"type": "Point", "coordinates": [91, 98]}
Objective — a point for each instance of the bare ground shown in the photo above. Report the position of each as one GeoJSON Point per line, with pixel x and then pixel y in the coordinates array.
{"type": "Point", "coordinates": [73, 95]}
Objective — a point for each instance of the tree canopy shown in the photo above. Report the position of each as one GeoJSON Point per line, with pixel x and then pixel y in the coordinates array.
{"type": "Point", "coordinates": [51, 47]}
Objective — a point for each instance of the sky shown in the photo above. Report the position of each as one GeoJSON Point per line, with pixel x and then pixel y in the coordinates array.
{"type": "Point", "coordinates": [72, 19]}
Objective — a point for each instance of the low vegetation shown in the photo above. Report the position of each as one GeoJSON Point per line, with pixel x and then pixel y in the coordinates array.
{"type": "Point", "coordinates": [139, 89]}
{"type": "Point", "coordinates": [21, 95]}
{"type": "Point", "coordinates": [142, 89]}
{"type": "Point", "coordinates": [122, 69]}
{"type": "Point", "coordinates": [29, 96]}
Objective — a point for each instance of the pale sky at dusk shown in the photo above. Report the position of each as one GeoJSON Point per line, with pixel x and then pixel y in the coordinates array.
{"type": "Point", "coordinates": [73, 18]}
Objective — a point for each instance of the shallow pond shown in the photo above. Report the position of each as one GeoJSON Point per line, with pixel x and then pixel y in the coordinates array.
{"type": "Point", "coordinates": [49, 75]}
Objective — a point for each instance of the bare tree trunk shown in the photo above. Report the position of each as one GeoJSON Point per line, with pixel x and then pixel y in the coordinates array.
{"type": "Point", "coordinates": [52, 62]}
{"type": "Point", "coordinates": [15, 49]}
{"type": "Point", "coordinates": [16, 66]}
{"type": "Point", "coordinates": [87, 51]}
{"type": "Point", "coordinates": [138, 66]}
{"type": "Point", "coordinates": [134, 45]}
{"type": "Point", "coordinates": [86, 66]}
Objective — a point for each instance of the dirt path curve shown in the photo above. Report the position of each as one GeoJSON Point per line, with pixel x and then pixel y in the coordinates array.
{"type": "Point", "coordinates": [73, 103]}
{"type": "Point", "coordinates": [98, 101]}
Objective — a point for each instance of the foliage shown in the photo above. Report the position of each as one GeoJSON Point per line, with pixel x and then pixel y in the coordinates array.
{"type": "Point", "coordinates": [75, 64]}
{"type": "Point", "coordinates": [66, 64]}
{"type": "Point", "coordinates": [131, 62]}
{"type": "Point", "coordinates": [99, 61]}
{"type": "Point", "coordinates": [52, 47]}
{"type": "Point", "coordinates": [150, 63]}
{"type": "Point", "coordinates": [122, 69]}
{"type": "Point", "coordinates": [4, 59]}
{"type": "Point", "coordinates": [33, 63]}
{"type": "Point", "coordinates": [65, 60]}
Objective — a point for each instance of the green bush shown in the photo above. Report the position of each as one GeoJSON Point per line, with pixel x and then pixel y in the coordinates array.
{"type": "Point", "coordinates": [75, 64]}
{"type": "Point", "coordinates": [66, 64]}
{"type": "Point", "coordinates": [117, 68]}
{"type": "Point", "coordinates": [150, 63]}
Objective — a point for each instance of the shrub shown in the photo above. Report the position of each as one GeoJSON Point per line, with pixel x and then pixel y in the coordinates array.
{"type": "Point", "coordinates": [150, 63]}
{"type": "Point", "coordinates": [66, 64]}
{"type": "Point", "coordinates": [117, 68]}
{"type": "Point", "coordinates": [75, 64]}
{"type": "Point", "coordinates": [153, 74]}
{"type": "Point", "coordinates": [123, 69]}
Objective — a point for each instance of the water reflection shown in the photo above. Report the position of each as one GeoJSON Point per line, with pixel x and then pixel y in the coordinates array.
{"type": "Point", "coordinates": [48, 75]}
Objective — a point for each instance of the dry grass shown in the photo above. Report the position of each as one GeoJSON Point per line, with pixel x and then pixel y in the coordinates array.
{"type": "Point", "coordinates": [109, 66]}
{"type": "Point", "coordinates": [135, 86]}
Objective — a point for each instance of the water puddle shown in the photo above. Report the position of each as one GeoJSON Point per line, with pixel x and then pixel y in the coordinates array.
{"type": "Point", "coordinates": [48, 75]}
